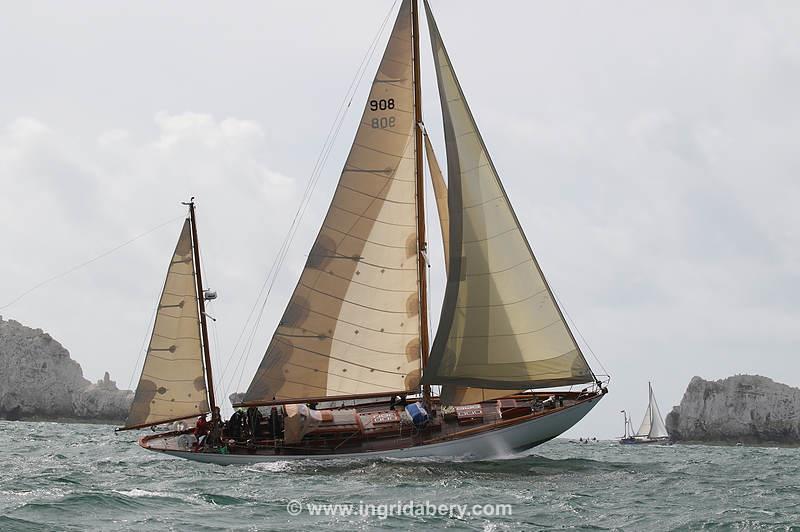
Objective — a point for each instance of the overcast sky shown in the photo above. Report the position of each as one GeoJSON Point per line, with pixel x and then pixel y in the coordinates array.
{"type": "Point", "coordinates": [651, 153]}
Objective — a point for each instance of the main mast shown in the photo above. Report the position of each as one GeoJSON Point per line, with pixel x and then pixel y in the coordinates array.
{"type": "Point", "coordinates": [422, 263]}
{"type": "Point", "coordinates": [201, 301]}
{"type": "Point", "coordinates": [650, 405]}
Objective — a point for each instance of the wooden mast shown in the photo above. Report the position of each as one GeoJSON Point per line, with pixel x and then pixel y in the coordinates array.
{"type": "Point", "coordinates": [201, 301]}
{"type": "Point", "coordinates": [422, 263]}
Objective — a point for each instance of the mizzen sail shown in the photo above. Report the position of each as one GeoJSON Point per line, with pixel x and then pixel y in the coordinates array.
{"type": "Point", "coordinates": [500, 326]}
{"type": "Point", "coordinates": [172, 385]}
{"type": "Point", "coordinates": [352, 324]}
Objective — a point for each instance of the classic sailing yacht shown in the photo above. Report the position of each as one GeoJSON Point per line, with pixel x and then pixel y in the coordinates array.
{"type": "Point", "coordinates": [652, 429]}
{"type": "Point", "coordinates": [349, 369]}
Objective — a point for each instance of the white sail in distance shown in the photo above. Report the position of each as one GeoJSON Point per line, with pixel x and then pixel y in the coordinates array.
{"type": "Point", "coordinates": [500, 327]}
{"type": "Point", "coordinates": [352, 324]}
{"type": "Point", "coordinates": [653, 424]}
{"type": "Point", "coordinates": [173, 385]}
{"type": "Point", "coordinates": [644, 428]}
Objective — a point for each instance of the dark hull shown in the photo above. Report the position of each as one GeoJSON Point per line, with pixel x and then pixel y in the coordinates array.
{"type": "Point", "coordinates": [492, 437]}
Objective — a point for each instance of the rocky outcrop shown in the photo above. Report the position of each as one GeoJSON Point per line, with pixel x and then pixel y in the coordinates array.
{"type": "Point", "coordinates": [743, 408]}
{"type": "Point", "coordinates": [39, 381]}
{"type": "Point", "coordinates": [102, 400]}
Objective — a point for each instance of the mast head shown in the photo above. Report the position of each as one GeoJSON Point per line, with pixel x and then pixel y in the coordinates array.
{"type": "Point", "coordinates": [189, 203]}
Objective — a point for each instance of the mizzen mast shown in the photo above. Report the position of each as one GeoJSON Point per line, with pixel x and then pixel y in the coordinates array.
{"type": "Point", "coordinates": [201, 302]}
{"type": "Point", "coordinates": [175, 382]}
{"type": "Point", "coordinates": [422, 263]}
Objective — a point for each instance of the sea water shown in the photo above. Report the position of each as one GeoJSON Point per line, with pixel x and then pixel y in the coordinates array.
{"type": "Point", "coordinates": [80, 477]}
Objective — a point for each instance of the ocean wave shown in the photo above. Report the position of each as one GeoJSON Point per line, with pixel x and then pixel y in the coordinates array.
{"type": "Point", "coordinates": [84, 477]}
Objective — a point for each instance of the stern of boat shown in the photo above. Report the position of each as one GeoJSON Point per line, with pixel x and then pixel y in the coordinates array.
{"type": "Point", "coordinates": [182, 441]}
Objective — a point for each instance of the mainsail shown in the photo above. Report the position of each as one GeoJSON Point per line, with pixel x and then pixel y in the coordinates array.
{"type": "Point", "coordinates": [653, 424]}
{"type": "Point", "coordinates": [172, 385]}
{"type": "Point", "coordinates": [352, 324]}
{"type": "Point", "coordinates": [500, 326]}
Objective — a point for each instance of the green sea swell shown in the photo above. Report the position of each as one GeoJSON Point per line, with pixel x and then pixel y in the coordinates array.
{"type": "Point", "coordinates": [81, 477]}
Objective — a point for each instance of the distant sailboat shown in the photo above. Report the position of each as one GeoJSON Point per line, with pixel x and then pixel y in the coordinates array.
{"type": "Point", "coordinates": [652, 429]}
{"type": "Point", "coordinates": [349, 369]}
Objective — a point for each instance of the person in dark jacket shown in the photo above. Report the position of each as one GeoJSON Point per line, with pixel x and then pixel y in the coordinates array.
{"type": "Point", "coordinates": [200, 431]}
{"type": "Point", "coordinates": [234, 425]}
{"type": "Point", "coordinates": [254, 421]}
{"type": "Point", "coordinates": [215, 428]}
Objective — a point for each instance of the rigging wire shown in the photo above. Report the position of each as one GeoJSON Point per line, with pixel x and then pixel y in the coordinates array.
{"type": "Point", "coordinates": [321, 160]}
{"type": "Point", "coordinates": [215, 353]}
{"type": "Point", "coordinates": [435, 390]}
{"type": "Point", "coordinates": [92, 260]}
{"type": "Point", "coordinates": [321, 165]}
{"type": "Point", "coordinates": [577, 330]}
{"type": "Point", "coordinates": [142, 349]}
{"type": "Point", "coordinates": [218, 384]}
{"type": "Point", "coordinates": [86, 263]}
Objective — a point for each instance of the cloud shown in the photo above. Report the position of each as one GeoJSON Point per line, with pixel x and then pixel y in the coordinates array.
{"type": "Point", "coordinates": [650, 153]}
{"type": "Point", "coordinates": [66, 200]}
{"type": "Point", "coordinates": [662, 130]}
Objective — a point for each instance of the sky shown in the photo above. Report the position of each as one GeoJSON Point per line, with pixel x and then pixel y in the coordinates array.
{"type": "Point", "coordinates": [650, 151]}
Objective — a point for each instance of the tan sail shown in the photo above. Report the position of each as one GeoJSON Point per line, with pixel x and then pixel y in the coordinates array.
{"type": "Point", "coordinates": [453, 394]}
{"type": "Point", "coordinates": [352, 324]}
{"type": "Point", "coordinates": [440, 195]}
{"type": "Point", "coordinates": [500, 327]}
{"type": "Point", "coordinates": [172, 385]}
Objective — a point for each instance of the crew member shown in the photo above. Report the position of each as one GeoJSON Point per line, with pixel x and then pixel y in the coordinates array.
{"type": "Point", "coordinates": [200, 431]}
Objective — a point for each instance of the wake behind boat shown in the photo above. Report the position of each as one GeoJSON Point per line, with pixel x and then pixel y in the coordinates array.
{"type": "Point", "coordinates": [349, 369]}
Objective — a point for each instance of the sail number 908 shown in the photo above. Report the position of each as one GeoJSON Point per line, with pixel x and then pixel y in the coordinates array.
{"type": "Point", "coordinates": [381, 105]}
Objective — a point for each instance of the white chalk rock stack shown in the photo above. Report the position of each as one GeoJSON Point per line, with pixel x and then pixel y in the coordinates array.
{"type": "Point", "coordinates": [742, 408]}
{"type": "Point", "coordinates": [39, 381]}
